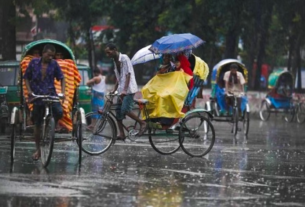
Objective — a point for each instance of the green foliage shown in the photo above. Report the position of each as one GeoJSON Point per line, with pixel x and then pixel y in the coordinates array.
{"type": "Point", "coordinates": [268, 29]}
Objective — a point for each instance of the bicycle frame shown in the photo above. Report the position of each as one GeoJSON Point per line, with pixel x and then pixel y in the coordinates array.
{"type": "Point", "coordinates": [48, 101]}
{"type": "Point", "coordinates": [110, 107]}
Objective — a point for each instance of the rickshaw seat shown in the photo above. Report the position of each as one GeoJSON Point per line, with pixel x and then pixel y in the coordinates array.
{"type": "Point", "coordinates": [141, 101]}
{"type": "Point", "coordinates": [280, 102]}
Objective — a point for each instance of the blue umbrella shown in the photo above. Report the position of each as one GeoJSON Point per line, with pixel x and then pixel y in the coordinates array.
{"type": "Point", "coordinates": [176, 43]}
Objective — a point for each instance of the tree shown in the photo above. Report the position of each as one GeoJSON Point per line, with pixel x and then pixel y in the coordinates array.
{"type": "Point", "coordinates": [8, 25]}
{"type": "Point", "coordinates": [84, 14]}
{"type": "Point", "coordinates": [292, 18]}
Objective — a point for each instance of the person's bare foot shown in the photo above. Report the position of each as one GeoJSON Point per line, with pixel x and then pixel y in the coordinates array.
{"type": "Point", "coordinates": [142, 129]}
{"type": "Point", "coordinates": [90, 127]}
{"type": "Point", "coordinates": [121, 137]}
{"type": "Point", "coordinates": [36, 155]}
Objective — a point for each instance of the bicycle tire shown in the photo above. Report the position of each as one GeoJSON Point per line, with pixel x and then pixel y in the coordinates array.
{"type": "Point", "coordinates": [289, 114]}
{"type": "Point", "coordinates": [235, 121]}
{"type": "Point", "coordinates": [164, 141]}
{"type": "Point", "coordinates": [264, 112]}
{"type": "Point", "coordinates": [246, 122]}
{"type": "Point", "coordinates": [194, 139]}
{"type": "Point", "coordinates": [47, 142]}
{"type": "Point", "coordinates": [13, 139]}
{"type": "Point", "coordinates": [79, 138]}
{"type": "Point", "coordinates": [301, 113]}
{"type": "Point", "coordinates": [102, 135]}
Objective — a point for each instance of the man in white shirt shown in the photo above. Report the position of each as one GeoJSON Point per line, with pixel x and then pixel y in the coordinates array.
{"type": "Point", "coordinates": [234, 84]}
{"type": "Point", "coordinates": [126, 86]}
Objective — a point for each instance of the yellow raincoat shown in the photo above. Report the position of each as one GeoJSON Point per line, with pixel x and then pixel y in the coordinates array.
{"type": "Point", "coordinates": [201, 69]}
{"type": "Point", "coordinates": [166, 94]}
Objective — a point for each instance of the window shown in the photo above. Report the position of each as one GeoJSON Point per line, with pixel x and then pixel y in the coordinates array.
{"type": "Point", "coordinates": [8, 76]}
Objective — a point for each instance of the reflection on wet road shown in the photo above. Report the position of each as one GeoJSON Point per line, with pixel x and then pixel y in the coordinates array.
{"type": "Point", "coordinates": [265, 169]}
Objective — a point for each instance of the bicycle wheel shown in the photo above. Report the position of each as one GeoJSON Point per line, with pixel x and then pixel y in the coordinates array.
{"type": "Point", "coordinates": [164, 141]}
{"type": "Point", "coordinates": [301, 113]}
{"type": "Point", "coordinates": [79, 137]}
{"type": "Point", "coordinates": [246, 122]}
{"type": "Point", "coordinates": [235, 121]}
{"type": "Point", "coordinates": [264, 112]}
{"type": "Point", "coordinates": [194, 138]}
{"type": "Point", "coordinates": [47, 142]}
{"type": "Point", "coordinates": [13, 139]}
{"type": "Point", "coordinates": [289, 114]}
{"type": "Point", "coordinates": [98, 134]}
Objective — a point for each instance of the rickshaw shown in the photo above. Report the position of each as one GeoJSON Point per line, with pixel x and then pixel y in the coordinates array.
{"type": "Point", "coordinates": [73, 118]}
{"type": "Point", "coordinates": [217, 104]}
{"type": "Point", "coordinates": [279, 98]}
{"type": "Point", "coordinates": [192, 131]}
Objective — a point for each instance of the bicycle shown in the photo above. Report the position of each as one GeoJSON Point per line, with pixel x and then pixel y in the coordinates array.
{"type": "Point", "coordinates": [245, 118]}
{"type": "Point", "coordinates": [48, 128]}
{"type": "Point", "coordinates": [166, 140]}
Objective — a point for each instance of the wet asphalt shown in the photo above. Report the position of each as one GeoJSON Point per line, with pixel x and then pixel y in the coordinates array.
{"type": "Point", "coordinates": [267, 168]}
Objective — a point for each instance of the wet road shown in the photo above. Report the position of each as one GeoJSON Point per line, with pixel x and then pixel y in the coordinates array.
{"type": "Point", "coordinates": [266, 169]}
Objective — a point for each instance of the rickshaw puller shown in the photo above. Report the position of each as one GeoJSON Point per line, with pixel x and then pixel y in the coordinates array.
{"type": "Point", "coordinates": [127, 87]}
{"type": "Point", "coordinates": [39, 79]}
{"type": "Point", "coordinates": [234, 84]}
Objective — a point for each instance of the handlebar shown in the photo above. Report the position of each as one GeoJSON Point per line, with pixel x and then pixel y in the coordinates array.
{"type": "Point", "coordinates": [232, 94]}
{"type": "Point", "coordinates": [47, 97]}
{"type": "Point", "coordinates": [111, 95]}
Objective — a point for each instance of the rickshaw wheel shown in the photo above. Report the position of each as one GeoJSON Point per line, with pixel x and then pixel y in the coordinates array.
{"type": "Point", "coordinates": [98, 136]}
{"type": "Point", "coordinates": [264, 112]}
{"type": "Point", "coordinates": [289, 114]}
{"type": "Point", "coordinates": [235, 120]}
{"type": "Point", "coordinates": [246, 122]}
{"type": "Point", "coordinates": [47, 142]}
{"type": "Point", "coordinates": [79, 138]}
{"type": "Point", "coordinates": [164, 141]}
{"type": "Point", "coordinates": [13, 139]}
{"type": "Point", "coordinates": [301, 113]}
{"type": "Point", "coordinates": [195, 139]}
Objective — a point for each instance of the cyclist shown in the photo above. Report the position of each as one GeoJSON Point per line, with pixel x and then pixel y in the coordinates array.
{"type": "Point", "coordinates": [39, 79]}
{"type": "Point", "coordinates": [126, 86]}
{"type": "Point", "coordinates": [234, 84]}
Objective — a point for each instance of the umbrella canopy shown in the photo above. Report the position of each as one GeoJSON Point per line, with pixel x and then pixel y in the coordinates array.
{"type": "Point", "coordinates": [144, 55]}
{"type": "Point", "coordinates": [176, 43]}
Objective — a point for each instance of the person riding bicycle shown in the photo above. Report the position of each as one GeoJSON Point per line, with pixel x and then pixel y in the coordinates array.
{"type": "Point", "coordinates": [283, 89]}
{"type": "Point", "coordinates": [126, 86]}
{"type": "Point", "coordinates": [234, 84]}
{"type": "Point", "coordinates": [39, 79]}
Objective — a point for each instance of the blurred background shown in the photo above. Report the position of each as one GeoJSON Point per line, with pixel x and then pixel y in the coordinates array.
{"type": "Point", "coordinates": [264, 34]}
